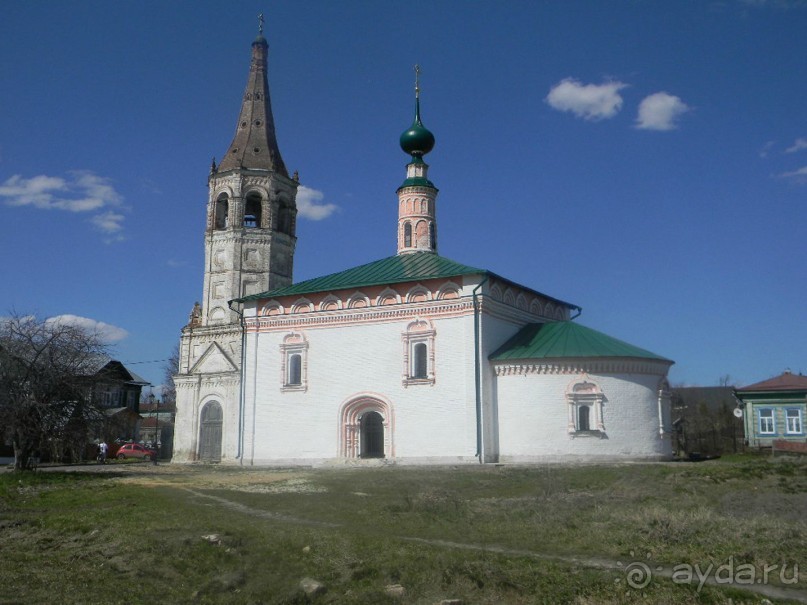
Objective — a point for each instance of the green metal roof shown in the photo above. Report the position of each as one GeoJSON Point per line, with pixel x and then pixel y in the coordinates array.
{"type": "Point", "coordinates": [415, 266]}
{"type": "Point", "coordinates": [566, 339]}
{"type": "Point", "coordinates": [391, 270]}
{"type": "Point", "coordinates": [417, 181]}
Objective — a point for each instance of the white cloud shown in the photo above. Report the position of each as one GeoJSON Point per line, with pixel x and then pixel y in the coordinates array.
{"type": "Point", "coordinates": [83, 191]}
{"type": "Point", "coordinates": [799, 175]}
{"type": "Point", "coordinates": [106, 332]}
{"type": "Point", "coordinates": [798, 145]}
{"type": "Point", "coordinates": [766, 148]}
{"type": "Point", "coordinates": [37, 191]}
{"type": "Point", "coordinates": [588, 101]}
{"type": "Point", "coordinates": [659, 112]}
{"type": "Point", "coordinates": [308, 205]}
{"type": "Point", "coordinates": [108, 222]}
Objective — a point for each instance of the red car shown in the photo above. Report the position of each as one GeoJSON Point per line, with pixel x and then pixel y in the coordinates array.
{"type": "Point", "coordinates": [135, 450]}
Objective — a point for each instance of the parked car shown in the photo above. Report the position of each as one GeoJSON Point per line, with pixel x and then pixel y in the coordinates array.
{"type": "Point", "coordinates": [135, 450]}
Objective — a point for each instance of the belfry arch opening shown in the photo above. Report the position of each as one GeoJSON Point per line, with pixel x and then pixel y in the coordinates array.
{"type": "Point", "coordinates": [221, 213]}
{"type": "Point", "coordinates": [252, 210]}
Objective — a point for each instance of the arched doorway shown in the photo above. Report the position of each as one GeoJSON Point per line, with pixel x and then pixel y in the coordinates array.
{"type": "Point", "coordinates": [372, 435]}
{"type": "Point", "coordinates": [366, 427]}
{"type": "Point", "coordinates": [210, 432]}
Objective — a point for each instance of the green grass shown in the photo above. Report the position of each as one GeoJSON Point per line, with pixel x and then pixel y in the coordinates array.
{"type": "Point", "coordinates": [134, 533]}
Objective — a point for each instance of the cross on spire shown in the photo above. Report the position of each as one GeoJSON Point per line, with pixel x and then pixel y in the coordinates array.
{"type": "Point", "coordinates": [260, 23]}
{"type": "Point", "coordinates": [417, 81]}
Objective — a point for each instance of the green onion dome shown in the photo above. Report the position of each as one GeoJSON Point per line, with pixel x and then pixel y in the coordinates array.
{"type": "Point", "coordinates": [417, 140]}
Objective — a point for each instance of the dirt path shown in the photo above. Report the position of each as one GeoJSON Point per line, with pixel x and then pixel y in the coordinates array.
{"type": "Point", "coordinates": [636, 574]}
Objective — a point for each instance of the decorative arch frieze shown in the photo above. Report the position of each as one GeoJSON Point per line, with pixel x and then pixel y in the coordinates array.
{"type": "Point", "coordinates": [330, 303]}
{"type": "Point", "coordinates": [272, 308]}
{"type": "Point", "coordinates": [388, 297]}
{"type": "Point", "coordinates": [448, 291]}
{"type": "Point", "coordinates": [302, 305]}
{"type": "Point", "coordinates": [418, 294]}
{"type": "Point", "coordinates": [521, 301]}
{"type": "Point", "coordinates": [358, 300]}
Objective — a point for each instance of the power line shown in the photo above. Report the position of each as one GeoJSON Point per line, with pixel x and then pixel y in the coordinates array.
{"type": "Point", "coordinates": [134, 363]}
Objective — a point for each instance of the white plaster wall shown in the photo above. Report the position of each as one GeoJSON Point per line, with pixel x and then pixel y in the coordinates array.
{"type": "Point", "coordinates": [534, 418]}
{"type": "Point", "coordinates": [193, 392]}
{"type": "Point", "coordinates": [495, 332]}
{"type": "Point", "coordinates": [429, 421]}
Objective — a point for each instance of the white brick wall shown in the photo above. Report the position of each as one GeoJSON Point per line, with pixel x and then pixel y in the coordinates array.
{"type": "Point", "coordinates": [525, 416]}
{"type": "Point", "coordinates": [534, 417]}
{"type": "Point", "coordinates": [430, 420]}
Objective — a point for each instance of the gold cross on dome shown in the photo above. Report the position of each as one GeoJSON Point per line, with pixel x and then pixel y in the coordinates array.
{"type": "Point", "coordinates": [260, 23]}
{"type": "Point", "coordinates": [417, 80]}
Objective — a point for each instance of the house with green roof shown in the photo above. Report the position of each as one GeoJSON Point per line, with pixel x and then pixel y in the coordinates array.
{"type": "Point", "coordinates": [414, 358]}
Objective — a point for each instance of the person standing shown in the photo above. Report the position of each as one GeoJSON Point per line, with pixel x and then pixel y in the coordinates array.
{"type": "Point", "coordinates": [103, 448]}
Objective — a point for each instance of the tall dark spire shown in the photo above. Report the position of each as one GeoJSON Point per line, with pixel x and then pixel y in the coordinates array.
{"type": "Point", "coordinates": [254, 145]}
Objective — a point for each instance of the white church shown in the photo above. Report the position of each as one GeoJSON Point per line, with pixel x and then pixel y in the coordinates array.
{"type": "Point", "coordinates": [410, 359]}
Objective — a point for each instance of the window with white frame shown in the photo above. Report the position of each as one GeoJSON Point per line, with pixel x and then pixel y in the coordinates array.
{"type": "Point", "coordinates": [793, 425]}
{"type": "Point", "coordinates": [767, 425]}
{"type": "Point", "coordinates": [585, 403]}
{"type": "Point", "coordinates": [418, 353]}
{"type": "Point", "coordinates": [294, 362]}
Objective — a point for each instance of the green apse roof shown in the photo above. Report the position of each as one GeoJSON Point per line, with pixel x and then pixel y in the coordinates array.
{"type": "Point", "coordinates": [391, 270]}
{"type": "Point", "coordinates": [566, 339]}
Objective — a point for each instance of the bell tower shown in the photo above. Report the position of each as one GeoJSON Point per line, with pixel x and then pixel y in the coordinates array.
{"type": "Point", "coordinates": [249, 248]}
{"type": "Point", "coordinates": [251, 209]}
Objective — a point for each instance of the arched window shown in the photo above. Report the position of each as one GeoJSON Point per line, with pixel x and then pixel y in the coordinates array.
{"type": "Point", "coordinates": [585, 401]}
{"type": "Point", "coordinates": [420, 361]}
{"type": "Point", "coordinates": [294, 362]}
{"type": "Point", "coordinates": [433, 236]}
{"type": "Point", "coordinates": [252, 210]}
{"type": "Point", "coordinates": [295, 369]}
{"type": "Point", "coordinates": [407, 235]}
{"type": "Point", "coordinates": [582, 418]}
{"type": "Point", "coordinates": [221, 218]}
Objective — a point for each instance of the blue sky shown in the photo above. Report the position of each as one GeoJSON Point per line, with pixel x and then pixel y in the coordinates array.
{"type": "Point", "coordinates": [644, 160]}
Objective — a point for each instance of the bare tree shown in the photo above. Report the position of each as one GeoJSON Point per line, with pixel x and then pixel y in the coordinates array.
{"type": "Point", "coordinates": [45, 382]}
{"type": "Point", "coordinates": [169, 391]}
